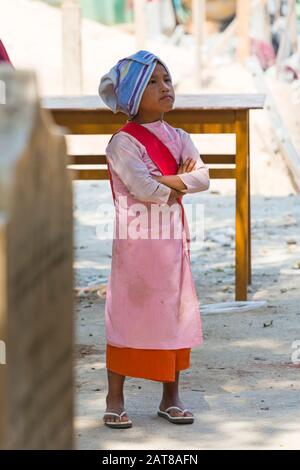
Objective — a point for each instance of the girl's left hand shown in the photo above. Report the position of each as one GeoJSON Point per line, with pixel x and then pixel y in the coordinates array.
{"type": "Point", "coordinates": [186, 167]}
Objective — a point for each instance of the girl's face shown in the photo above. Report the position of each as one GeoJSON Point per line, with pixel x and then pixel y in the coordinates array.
{"type": "Point", "coordinates": [158, 97]}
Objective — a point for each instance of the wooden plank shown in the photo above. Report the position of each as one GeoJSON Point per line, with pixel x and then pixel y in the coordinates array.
{"type": "Point", "coordinates": [69, 117]}
{"type": "Point", "coordinates": [71, 125]}
{"type": "Point", "coordinates": [89, 174]}
{"type": "Point", "coordinates": [211, 101]}
{"type": "Point", "coordinates": [87, 160]}
{"type": "Point", "coordinates": [242, 209]}
{"type": "Point", "coordinates": [102, 174]}
{"type": "Point", "coordinates": [249, 209]}
{"type": "Point", "coordinates": [222, 173]}
{"type": "Point", "coordinates": [108, 129]}
{"type": "Point", "coordinates": [101, 159]}
{"type": "Point", "coordinates": [180, 116]}
{"type": "Point", "coordinates": [206, 128]}
{"type": "Point", "coordinates": [201, 116]}
{"type": "Point", "coordinates": [90, 129]}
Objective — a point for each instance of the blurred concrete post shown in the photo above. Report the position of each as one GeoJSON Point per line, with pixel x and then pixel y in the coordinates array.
{"type": "Point", "coordinates": [294, 35]}
{"type": "Point", "coordinates": [260, 23]}
{"type": "Point", "coordinates": [289, 33]}
{"type": "Point", "coordinates": [267, 24]}
{"type": "Point", "coordinates": [154, 18]}
{"type": "Point", "coordinates": [243, 29]}
{"type": "Point", "coordinates": [199, 17]}
{"type": "Point", "coordinates": [36, 273]}
{"type": "Point", "coordinates": [140, 23]}
{"type": "Point", "coordinates": [277, 8]}
{"type": "Point", "coordinates": [71, 31]}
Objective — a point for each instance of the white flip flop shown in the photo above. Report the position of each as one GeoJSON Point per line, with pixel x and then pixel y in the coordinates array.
{"type": "Point", "coordinates": [117, 424]}
{"type": "Point", "coordinates": [176, 419]}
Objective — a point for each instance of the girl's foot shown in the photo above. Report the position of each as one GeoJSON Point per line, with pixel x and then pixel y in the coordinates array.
{"type": "Point", "coordinates": [167, 402]}
{"type": "Point", "coordinates": [115, 406]}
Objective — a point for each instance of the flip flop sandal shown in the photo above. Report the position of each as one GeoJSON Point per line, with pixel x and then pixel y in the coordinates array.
{"type": "Point", "coordinates": [117, 424]}
{"type": "Point", "coordinates": [176, 419]}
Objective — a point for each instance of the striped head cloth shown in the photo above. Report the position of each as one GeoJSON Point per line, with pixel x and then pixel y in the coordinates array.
{"type": "Point", "coordinates": [123, 86]}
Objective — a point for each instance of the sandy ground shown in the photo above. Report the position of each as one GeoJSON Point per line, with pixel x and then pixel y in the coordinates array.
{"type": "Point", "coordinates": [243, 385]}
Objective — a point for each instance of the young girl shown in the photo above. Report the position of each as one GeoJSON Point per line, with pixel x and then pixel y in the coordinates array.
{"type": "Point", "coordinates": [151, 314]}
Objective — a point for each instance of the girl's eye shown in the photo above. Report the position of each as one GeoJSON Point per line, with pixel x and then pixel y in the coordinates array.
{"type": "Point", "coordinates": [154, 81]}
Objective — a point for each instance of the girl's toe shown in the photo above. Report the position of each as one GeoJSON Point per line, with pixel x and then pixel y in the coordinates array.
{"type": "Point", "coordinates": [109, 419]}
{"type": "Point", "coordinates": [175, 413]}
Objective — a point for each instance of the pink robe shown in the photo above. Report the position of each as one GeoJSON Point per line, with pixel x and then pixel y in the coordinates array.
{"type": "Point", "coordinates": [151, 300]}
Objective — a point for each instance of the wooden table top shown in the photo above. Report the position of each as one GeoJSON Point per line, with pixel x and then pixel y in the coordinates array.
{"type": "Point", "coordinates": [209, 102]}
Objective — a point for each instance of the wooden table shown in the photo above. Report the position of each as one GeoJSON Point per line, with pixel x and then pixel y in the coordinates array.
{"type": "Point", "coordinates": [211, 114]}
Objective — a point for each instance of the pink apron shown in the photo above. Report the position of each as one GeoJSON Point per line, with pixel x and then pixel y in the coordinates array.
{"type": "Point", "coordinates": [151, 300]}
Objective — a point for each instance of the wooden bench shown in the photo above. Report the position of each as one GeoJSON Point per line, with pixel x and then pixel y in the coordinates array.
{"type": "Point", "coordinates": [199, 114]}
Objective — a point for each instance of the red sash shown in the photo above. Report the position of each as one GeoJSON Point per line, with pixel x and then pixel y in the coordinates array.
{"type": "Point", "coordinates": [157, 151]}
{"type": "Point", "coordinates": [3, 54]}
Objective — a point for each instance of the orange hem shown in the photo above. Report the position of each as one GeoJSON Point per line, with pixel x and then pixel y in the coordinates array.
{"type": "Point", "coordinates": [152, 364]}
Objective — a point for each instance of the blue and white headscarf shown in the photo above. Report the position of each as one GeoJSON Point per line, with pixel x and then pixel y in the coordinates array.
{"type": "Point", "coordinates": [123, 86]}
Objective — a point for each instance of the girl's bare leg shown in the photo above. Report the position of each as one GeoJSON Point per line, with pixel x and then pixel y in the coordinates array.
{"type": "Point", "coordinates": [115, 396]}
{"type": "Point", "coordinates": [171, 398]}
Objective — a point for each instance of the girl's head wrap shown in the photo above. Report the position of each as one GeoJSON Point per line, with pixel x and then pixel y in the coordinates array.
{"type": "Point", "coordinates": [123, 86]}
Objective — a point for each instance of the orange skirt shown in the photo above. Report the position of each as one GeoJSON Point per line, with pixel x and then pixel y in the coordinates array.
{"type": "Point", "coordinates": [152, 364]}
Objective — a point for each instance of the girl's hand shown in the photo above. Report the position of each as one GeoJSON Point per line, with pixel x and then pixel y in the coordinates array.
{"type": "Point", "coordinates": [186, 167]}
{"type": "Point", "coordinates": [174, 194]}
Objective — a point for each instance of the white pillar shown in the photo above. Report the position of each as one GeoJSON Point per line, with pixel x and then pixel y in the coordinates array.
{"type": "Point", "coordinates": [243, 14]}
{"type": "Point", "coordinates": [199, 18]}
{"type": "Point", "coordinates": [288, 33]}
{"type": "Point", "coordinates": [71, 32]}
{"type": "Point", "coordinates": [140, 23]}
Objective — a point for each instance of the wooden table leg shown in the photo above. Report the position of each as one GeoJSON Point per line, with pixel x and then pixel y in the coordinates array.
{"type": "Point", "coordinates": [249, 212]}
{"type": "Point", "coordinates": [242, 205]}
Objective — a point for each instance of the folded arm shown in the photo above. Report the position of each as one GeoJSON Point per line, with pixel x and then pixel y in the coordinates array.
{"type": "Point", "coordinates": [125, 161]}
{"type": "Point", "coordinates": [195, 179]}
{"type": "Point", "coordinates": [198, 179]}
{"type": "Point", "coordinates": [192, 177]}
